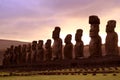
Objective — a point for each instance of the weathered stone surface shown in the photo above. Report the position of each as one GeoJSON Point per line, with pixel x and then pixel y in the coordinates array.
{"type": "Point", "coordinates": [79, 46]}
{"type": "Point", "coordinates": [57, 45]}
{"type": "Point", "coordinates": [68, 48]}
{"type": "Point", "coordinates": [48, 50]}
{"type": "Point", "coordinates": [111, 44]}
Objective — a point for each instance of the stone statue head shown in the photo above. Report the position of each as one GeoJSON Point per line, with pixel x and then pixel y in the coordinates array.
{"type": "Point", "coordinates": [48, 43]}
{"type": "Point", "coordinates": [34, 42]}
{"type": "Point", "coordinates": [78, 34]}
{"type": "Point", "coordinates": [56, 32]}
{"type": "Point", "coordinates": [40, 42]}
{"type": "Point", "coordinates": [111, 24]}
{"type": "Point", "coordinates": [68, 39]}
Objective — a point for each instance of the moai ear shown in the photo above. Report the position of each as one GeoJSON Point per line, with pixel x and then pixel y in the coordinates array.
{"type": "Point", "coordinates": [94, 19]}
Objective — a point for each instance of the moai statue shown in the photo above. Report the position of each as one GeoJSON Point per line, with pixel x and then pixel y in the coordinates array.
{"type": "Point", "coordinates": [40, 53]}
{"type": "Point", "coordinates": [34, 51]}
{"type": "Point", "coordinates": [6, 59]}
{"type": "Point", "coordinates": [20, 54]}
{"type": "Point", "coordinates": [79, 46]}
{"type": "Point", "coordinates": [111, 44]}
{"type": "Point", "coordinates": [24, 52]}
{"type": "Point", "coordinates": [12, 54]}
{"type": "Point", "coordinates": [95, 42]}
{"type": "Point", "coordinates": [57, 45]}
{"type": "Point", "coordinates": [48, 50]}
{"type": "Point", "coordinates": [15, 58]}
{"type": "Point", "coordinates": [68, 48]}
{"type": "Point", "coordinates": [28, 55]}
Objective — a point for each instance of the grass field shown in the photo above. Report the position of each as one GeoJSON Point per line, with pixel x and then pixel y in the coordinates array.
{"type": "Point", "coordinates": [64, 77]}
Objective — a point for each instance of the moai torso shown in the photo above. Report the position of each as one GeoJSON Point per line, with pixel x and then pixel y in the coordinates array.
{"type": "Point", "coordinates": [111, 45]}
{"type": "Point", "coordinates": [95, 42]}
{"type": "Point", "coordinates": [57, 45]}
{"type": "Point", "coordinates": [68, 48]}
{"type": "Point", "coordinates": [40, 53]}
{"type": "Point", "coordinates": [48, 50]}
{"type": "Point", "coordinates": [79, 46]}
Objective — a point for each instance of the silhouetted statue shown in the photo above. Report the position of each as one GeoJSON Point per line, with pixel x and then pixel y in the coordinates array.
{"type": "Point", "coordinates": [29, 52]}
{"type": "Point", "coordinates": [40, 53]}
{"type": "Point", "coordinates": [111, 44]}
{"type": "Point", "coordinates": [20, 54]}
{"type": "Point", "coordinates": [12, 54]}
{"type": "Point", "coordinates": [68, 49]}
{"type": "Point", "coordinates": [95, 42]}
{"type": "Point", "coordinates": [6, 57]}
{"type": "Point", "coordinates": [79, 46]}
{"type": "Point", "coordinates": [57, 45]}
{"type": "Point", "coordinates": [24, 52]}
{"type": "Point", "coordinates": [34, 51]}
{"type": "Point", "coordinates": [15, 55]}
{"type": "Point", "coordinates": [48, 50]}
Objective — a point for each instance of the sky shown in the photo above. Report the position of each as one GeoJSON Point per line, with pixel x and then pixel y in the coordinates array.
{"type": "Point", "coordinates": [28, 20]}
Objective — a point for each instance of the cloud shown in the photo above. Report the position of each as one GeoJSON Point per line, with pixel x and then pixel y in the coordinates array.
{"type": "Point", "coordinates": [34, 19]}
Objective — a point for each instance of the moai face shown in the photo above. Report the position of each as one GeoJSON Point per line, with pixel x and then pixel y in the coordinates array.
{"type": "Point", "coordinates": [34, 42]}
{"type": "Point", "coordinates": [68, 39]}
{"type": "Point", "coordinates": [34, 45]}
{"type": "Point", "coordinates": [48, 43]}
{"type": "Point", "coordinates": [40, 42]}
{"type": "Point", "coordinates": [111, 24]}
{"type": "Point", "coordinates": [56, 33]}
{"type": "Point", "coordinates": [78, 35]}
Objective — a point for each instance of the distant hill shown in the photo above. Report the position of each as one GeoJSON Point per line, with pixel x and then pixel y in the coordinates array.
{"type": "Point", "coordinates": [7, 43]}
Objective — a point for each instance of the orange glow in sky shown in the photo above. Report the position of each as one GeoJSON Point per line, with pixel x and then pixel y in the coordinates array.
{"type": "Point", "coordinates": [35, 19]}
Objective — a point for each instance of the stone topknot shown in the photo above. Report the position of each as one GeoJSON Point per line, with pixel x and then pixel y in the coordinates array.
{"type": "Point", "coordinates": [93, 19]}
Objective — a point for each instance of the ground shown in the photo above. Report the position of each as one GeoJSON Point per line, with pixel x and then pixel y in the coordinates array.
{"type": "Point", "coordinates": [64, 77]}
